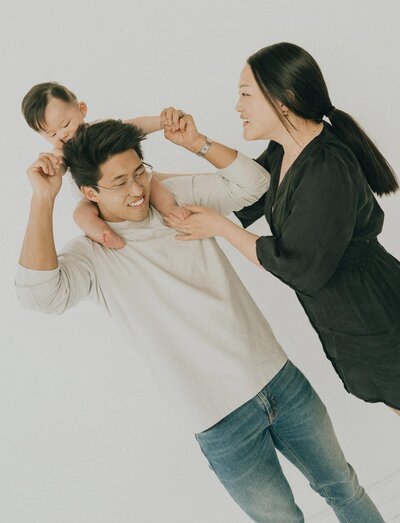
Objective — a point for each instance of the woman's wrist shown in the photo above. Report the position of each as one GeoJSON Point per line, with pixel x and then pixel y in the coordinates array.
{"type": "Point", "coordinates": [225, 228]}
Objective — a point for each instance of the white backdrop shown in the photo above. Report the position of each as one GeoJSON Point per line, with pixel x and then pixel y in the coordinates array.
{"type": "Point", "coordinates": [85, 436]}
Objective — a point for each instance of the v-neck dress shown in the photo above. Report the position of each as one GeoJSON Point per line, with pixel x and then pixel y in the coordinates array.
{"type": "Point", "coordinates": [325, 221]}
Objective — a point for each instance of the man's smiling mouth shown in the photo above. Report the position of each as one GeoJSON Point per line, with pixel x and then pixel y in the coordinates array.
{"type": "Point", "coordinates": [137, 203]}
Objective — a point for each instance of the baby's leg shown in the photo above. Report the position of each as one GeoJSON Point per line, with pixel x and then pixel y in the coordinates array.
{"type": "Point", "coordinates": [86, 216]}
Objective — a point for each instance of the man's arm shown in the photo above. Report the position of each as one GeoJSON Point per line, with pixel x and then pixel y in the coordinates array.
{"type": "Point", "coordinates": [238, 183]}
{"type": "Point", "coordinates": [42, 283]}
{"type": "Point", "coordinates": [182, 131]}
{"type": "Point", "coordinates": [38, 249]}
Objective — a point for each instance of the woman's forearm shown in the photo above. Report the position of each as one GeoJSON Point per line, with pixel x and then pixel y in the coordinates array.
{"type": "Point", "coordinates": [219, 155]}
{"type": "Point", "coordinates": [242, 240]}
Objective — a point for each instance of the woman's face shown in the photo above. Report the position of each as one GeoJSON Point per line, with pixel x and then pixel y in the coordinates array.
{"type": "Point", "coordinates": [260, 121]}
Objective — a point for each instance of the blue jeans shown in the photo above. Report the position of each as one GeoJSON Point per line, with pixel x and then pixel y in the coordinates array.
{"type": "Point", "coordinates": [287, 415]}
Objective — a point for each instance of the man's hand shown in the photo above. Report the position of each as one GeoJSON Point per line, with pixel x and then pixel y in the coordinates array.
{"type": "Point", "coordinates": [38, 250]}
{"type": "Point", "coordinates": [180, 129]}
{"type": "Point", "coordinates": [45, 175]}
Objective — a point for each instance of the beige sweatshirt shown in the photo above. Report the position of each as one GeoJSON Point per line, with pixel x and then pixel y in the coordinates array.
{"type": "Point", "coordinates": [180, 304]}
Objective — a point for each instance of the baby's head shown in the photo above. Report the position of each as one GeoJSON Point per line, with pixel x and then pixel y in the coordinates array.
{"type": "Point", "coordinates": [53, 111]}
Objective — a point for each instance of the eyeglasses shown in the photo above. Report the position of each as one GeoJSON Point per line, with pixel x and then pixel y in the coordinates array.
{"type": "Point", "coordinates": [142, 176]}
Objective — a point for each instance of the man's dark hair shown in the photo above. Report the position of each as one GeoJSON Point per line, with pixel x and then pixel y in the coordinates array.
{"type": "Point", "coordinates": [36, 99]}
{"type": "Point", "coordinates": [93, 144]}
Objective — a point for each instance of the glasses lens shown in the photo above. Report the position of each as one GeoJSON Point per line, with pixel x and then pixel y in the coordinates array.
{"type": "Point", "coordinates": [148, 169]}
{"type": "Point", "coordinates": [142, 177]}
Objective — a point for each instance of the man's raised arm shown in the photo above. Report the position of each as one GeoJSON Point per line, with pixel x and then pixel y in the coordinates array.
{"type": "Point", "coordinates": [38, 250]}
{"type": "Point", "coordinates": [42, 283]}
{"type": "Point", "coordinates": [239, 182]}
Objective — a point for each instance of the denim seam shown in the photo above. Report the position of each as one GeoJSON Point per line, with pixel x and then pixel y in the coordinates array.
{"type": "Point", "coordinates": [311, 475]}
{"type": "Point", "coordinates": [205, 455]}
{"type": "Point", "coordinates": [267, 402]}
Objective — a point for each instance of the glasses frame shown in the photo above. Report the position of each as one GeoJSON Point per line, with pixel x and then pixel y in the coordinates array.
{"type": "Point", "coordinates": [131, 179]}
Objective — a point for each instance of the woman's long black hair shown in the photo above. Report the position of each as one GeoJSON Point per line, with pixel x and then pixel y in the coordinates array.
{"type": "Point", "coordinates": [288, 74]}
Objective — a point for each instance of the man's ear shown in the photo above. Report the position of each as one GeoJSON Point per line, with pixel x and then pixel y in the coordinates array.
{"type": "Point", "coordinates": [83, 108]}
{"type": "Point", "coordinates": [89, 193]}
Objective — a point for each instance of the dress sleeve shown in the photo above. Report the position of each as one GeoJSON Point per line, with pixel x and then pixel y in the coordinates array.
{"type": "Point", "coordinates": [252, 213]}
{"type": "Point", "coordinates": [318, 228]}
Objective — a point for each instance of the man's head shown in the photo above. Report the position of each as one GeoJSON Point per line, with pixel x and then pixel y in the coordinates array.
{"type": "Point", "coordinates": [53, 111]}
{"type": "Point", "coordinates": [105, 160]}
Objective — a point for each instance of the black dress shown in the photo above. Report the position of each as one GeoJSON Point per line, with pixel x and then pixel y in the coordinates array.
{"type": "Point", "coordinates": [324, 221]}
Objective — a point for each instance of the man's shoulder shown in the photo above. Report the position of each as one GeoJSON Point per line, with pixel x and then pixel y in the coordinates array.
{"type": "Point", "coordinates": [81, 245]}
{"type": "Point", "coordinates": [181, 187]}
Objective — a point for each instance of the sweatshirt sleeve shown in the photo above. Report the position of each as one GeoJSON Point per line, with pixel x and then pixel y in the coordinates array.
{"type": "Point", "coordinates": [318, 229]}
{"type": "Point", "coordinates": [230, 189]}
{"type": "Point", "coordinates": [252, 213]}
{"type": "Point", "coordinates": [249, 214]}
{"type": "Point", "coordinates": [59, 289]}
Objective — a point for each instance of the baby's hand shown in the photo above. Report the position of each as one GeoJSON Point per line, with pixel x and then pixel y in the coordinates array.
{"type": "Point", "coordinates": [59, 153]}
{"type": "Point", "coordinates": [170, 119]}
{"type": "Point", "coordinates": [177, 212]}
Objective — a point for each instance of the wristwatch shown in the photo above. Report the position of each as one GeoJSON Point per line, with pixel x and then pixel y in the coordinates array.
{"type": "Point", "coordinates": [206, 147]}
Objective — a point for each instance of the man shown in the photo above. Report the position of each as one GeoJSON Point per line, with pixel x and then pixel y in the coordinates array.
{"type": "Point", "coordinates": [183, 307]}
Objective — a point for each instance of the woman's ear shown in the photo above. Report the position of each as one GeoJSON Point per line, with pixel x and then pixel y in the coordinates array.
{"type": "Point", "coordinates": [291, 98]}
{"type": "Point", "coordinates": [284, 110]}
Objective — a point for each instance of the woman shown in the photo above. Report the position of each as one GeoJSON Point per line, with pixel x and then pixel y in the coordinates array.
{"type": "Point", "coordinates": [323, 217]}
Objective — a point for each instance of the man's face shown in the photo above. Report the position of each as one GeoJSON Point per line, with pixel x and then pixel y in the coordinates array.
{"type": "Point", "coordinates": [62, 119]}
{"type": "Point", "coordinates": [130, 199]}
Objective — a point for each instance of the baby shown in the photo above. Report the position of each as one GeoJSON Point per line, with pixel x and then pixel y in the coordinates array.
{"type": "Point", "coordinates": [54, 112]}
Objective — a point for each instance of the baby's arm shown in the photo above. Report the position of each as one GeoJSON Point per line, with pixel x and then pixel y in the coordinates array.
{"type": "Point", "coordinates": [87, 217]}
{"type": "Point", "coordinates": [149, 124]}
{"type": "Point", "coordinates": [164, 201]}
{"type": "Point", "coordinates": [161, 197]}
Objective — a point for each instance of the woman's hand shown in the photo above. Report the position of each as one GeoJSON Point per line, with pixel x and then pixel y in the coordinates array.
{"type": "Point", "coordinates": [207, 223]}
{"type": "Point", "coordinates": [203, 223]}
{"type": "Point", "coordinates": [180, 129]}
{"type": "Point", "coordinates": [176, 212]}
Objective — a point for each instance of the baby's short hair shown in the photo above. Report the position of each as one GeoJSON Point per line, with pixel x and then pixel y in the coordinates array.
{"type": "Point", "coordinates": [36, 99]}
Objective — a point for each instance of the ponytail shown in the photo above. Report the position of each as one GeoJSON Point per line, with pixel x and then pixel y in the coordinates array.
{"type": "Point", "coordinates": [378, 172]}
{"type": "Point", "coordinates": [288, 74]}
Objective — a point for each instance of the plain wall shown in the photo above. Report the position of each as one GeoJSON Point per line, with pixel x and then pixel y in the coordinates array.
{"type": "Point", "coordinates": [85, 435]}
